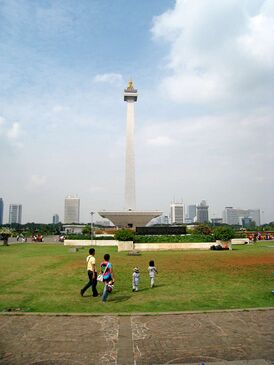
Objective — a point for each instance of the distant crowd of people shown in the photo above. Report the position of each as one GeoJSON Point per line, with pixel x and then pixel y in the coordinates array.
{"type": "Point", "coordinates": [22, 238]}
{"type": "Point", "coordinates": [37, 238]}
{"type": "Point", "coordinates": [258, 236]}
{"type": "Point", "coordinates": [106, 276]}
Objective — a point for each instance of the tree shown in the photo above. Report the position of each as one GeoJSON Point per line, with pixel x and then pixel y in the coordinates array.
{"type": "Point", "coordinates": [223, 233]}
{"type": "Point", "coordinates": [86, 230]}
{"type": "Point", "coordinates": [202, 229]}
{"type": "Point", "coordinates": [5, 234]}
{"type": "Point", "coordinates": [124, 235]}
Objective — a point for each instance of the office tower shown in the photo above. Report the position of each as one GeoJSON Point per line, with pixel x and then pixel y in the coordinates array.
{"type": "Point", "coordinates": [235, 216]}
{"type": "Point", "coordinates": [191, 212]}
{"type": "Point", "coordinates": [15, 213]}
{"type": "Point", "coordinates": [72, 209]}
{"type": "Point", "coordinates": [230, 216]}
{"type": "Point", "coordinates": [1, 211]}
{"type": "Point", "coordinates": [246, 222]}
{"type": "Point", "coordinates": [255, 215]}
{"type": "Point", "coordinates": [202, 212]}
{"type": "Point", "coordinates": [55, 219]}
{"type": "Point", "coordinates": [177, 213]}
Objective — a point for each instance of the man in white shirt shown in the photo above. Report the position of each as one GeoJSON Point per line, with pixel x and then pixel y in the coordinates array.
{"type": "Point", "coordinates": [92, 274]}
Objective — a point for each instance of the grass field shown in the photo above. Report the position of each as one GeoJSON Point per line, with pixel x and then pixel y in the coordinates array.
{"type": "Point", "coordinates": [48, 278]}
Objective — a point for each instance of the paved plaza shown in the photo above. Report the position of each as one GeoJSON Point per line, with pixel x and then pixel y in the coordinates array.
{"type": "Point", "coordinates": [228, 337]}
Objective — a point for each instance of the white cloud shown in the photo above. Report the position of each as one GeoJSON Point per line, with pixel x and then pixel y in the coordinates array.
{"type": "Point", "coordinates": [14, 131]}
{"type": "Point", "coordinates": [2, 122]}
{"type": "Point", "coordinates": [258, 41]}
{"type": "Point", "coordinates": [110, 78]}
{"type": "Point", "coordinates": [218, 51]}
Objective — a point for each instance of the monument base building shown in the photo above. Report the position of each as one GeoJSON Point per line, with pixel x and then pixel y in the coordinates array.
{"type": "Point", "coordinates": [130, 219]}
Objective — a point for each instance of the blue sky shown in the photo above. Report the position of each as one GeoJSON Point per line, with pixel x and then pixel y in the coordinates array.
{"type": "Point", "coordinates": [204, 117]}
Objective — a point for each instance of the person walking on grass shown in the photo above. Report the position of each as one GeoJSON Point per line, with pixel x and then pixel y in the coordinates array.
{"type": "Point", "coordinates": [106, 269]}
{"type": "Point", "coordinates": [152, 271]}
{"type": "Point", "coordinates": [135, 279]}
{"type": "Point", "coordinates": [92, 274]}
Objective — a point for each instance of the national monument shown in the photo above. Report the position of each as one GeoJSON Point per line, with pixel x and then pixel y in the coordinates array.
{"type": "Point", "coordinates": [130, 217]}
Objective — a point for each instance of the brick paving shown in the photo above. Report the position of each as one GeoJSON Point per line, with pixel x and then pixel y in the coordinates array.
{"type": "Point", "coordinates": [229, 337]}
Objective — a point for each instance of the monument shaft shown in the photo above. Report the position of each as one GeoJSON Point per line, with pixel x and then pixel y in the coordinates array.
{"type": "Point", "coordinates": [130, 217]}
{"type": "Point", "coordinates": [130, 96]}
{"type": "Point", "coordinates": [130, 198]}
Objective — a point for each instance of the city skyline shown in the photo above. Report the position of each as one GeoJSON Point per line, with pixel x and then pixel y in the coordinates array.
{"type": "Point", "coordinates": [205, 109]}
{"type": "Point", "coordinates": [187, 213]}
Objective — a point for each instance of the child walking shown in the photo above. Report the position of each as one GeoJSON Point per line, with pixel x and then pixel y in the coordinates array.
{"type": "Point", "coordinates": [152, 272]}
{"type": "Point", "coordinates": [135, 279]}
{"type": "Point", "coordinates": [106, 269]}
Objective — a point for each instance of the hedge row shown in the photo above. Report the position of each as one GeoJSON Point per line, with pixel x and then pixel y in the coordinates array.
{"type": "Point", "coordinates": [174, 239]}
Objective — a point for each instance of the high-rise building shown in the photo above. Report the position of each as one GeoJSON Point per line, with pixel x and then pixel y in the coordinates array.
{"type": "Point", "coordinates": [72, 209]}
{"type": "Point", "coordinates": [202, 212]}
{"type": "Point", "coordinates": [177, 213]}
{"type": "Point", "coordinates": [246, 222]}
{"type": "Point", "coordinates": [230, 216]}
{"type": "Point", "coordinates": [255, 215]}
{"type": "Point", "coordinates": [55, 219]}
{"type": "Point", "coordinates": [235, 216]}
{"type": "Point", "coordinates": [191, 212]}
{"type": "Point", "coordinates": [1, 211]}
{"type": "Point", "coordinates": [15, 213]}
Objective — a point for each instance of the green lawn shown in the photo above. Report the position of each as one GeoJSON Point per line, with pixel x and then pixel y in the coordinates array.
{"type": "Point", "coordinates": [48, 278]}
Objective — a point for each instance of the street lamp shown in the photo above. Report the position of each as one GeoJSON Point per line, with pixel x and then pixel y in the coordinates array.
{"type": "Point", "coordinates": [91, 226]}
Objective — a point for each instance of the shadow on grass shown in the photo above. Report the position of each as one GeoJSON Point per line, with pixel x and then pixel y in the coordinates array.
{"type": "Point", "coordinates": [121, 298]}
{"type": "Point", "coordinates": [149, 288]}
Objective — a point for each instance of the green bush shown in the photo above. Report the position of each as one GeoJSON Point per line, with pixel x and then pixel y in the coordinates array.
{"type": "Point", "coordinates": [86, 237]}
{"type": "Point", "coordinates": [240, 234]}
{"type": "Point", "coordinates": [124, 235]}
{"type": "Point", "coordinates": [223, 233]}
{"type": "Point", "coordinates": [202, 229]}
{"type": "Point", "coordinates": [79, 236]}
{"type": "Point", "coordinates": [173, 238]}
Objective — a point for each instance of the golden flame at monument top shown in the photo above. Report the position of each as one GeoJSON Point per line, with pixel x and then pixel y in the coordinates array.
{"type": "Point", "coordinates": [130, 85]}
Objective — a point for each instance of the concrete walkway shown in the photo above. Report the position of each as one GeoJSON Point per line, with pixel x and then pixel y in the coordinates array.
{"type": "Point", "coordinates": [229, 337]}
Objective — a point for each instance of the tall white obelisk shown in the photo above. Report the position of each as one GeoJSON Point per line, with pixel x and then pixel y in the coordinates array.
{"type": "Point", "coordinates": [130, 96]}
{"type": "Point", "coordinates": [130, 217]}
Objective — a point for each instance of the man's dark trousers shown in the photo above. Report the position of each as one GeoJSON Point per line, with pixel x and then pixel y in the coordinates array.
{"type": "Point", "coordinates": [92, 283]}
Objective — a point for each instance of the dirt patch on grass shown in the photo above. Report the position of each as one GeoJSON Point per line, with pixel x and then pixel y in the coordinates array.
{"type": "Point", "coordinates": [75, 265]}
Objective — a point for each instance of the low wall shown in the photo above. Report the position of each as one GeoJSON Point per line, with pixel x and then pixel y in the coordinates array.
{"type": "Point", "coordinates": [240, 241]}
{"type": "Point", "coordinates": [81, 243]}
{"type": "Point", "coordinates": [130, 246]}
{"type": "Point", "coordinates": [125, 246]}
